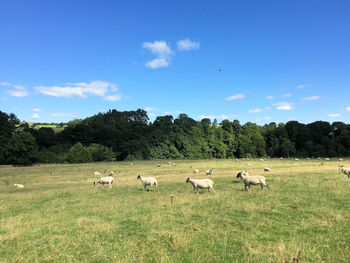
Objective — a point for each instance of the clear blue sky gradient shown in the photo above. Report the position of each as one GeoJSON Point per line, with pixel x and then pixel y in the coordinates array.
{"type": "Point", "coordinates": [263, 48]}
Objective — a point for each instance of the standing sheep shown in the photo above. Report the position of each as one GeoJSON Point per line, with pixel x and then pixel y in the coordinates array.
{"type": "Point", "coordinates": [195, 171]}
{"type": "Point", "coordinates": [346, 171]}
{"type": "Point", "coordinates": [147, 181]}
{"type": "Point", "coordinates": [97, 174]}
{"type": "Point", "coordinates": [105, 180]}
{"type": "Point", "coordinates": [209, 172]}
{"type": "Point", "coordinates": [201, 183]}
{"type": "Point", "coordinates": [252, 180]}
{"type": "Point", "coordinates": [19, 186]}
{"type": "Point", "coordinates": [267, 169]}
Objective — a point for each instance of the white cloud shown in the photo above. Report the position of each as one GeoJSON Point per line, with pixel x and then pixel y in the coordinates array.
{"type": "Point", "coordinates": [35, 116]}
{"type": "Point", "coordinates": [347, 108]}
{"type": "Point", "coordinates": [212, 117]}
{"type": "Point", "coordinates": [284, 105]}
{"type": "Point", "coordinates": [61, 114]}
{"type": "Point", "coordinates": [157, 63]}
{"type": "Point", "coordinates": [81, 89]}
{"type": "Point", "coordinates": [18, 91]}
{"type": "Point", "coordinates": [172, 112]}
{"type": "Point", "coordinates": [151, 114]}
{"type": "Point", "coordinates": [150, 109]}
{"type": "Point", "coordinates": [161, 50]}
{"type": "Point", "coordinates": [312, 98]}
{"type": "Point", "coordinates": [270, 97]}
{"type": "Point", "coordinates": [5, 83]}
{"type": "Point", "coordinates": [334, 115]}
{"type": "Point", "coordinates": [255, 110]}
{"type": "Point", "coordinates": [267, 118]}
{"type": "Point", "coordinates": [187, 44]}
{"type": "Point", "coordinates": [36, 109]}
{"type": "Point", "coordinates": [4, 98]}
{"type": "Point", "coordinates": [235, 97]}
{"type": "Point", "coordinates": [286, 95]}
{"type": "Point", "coordinates": [302, 86]}
{"type": "Point", "coordinates": [114, 97]}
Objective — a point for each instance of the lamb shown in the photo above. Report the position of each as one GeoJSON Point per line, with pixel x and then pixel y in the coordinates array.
{"type": "Point", "coordinates": [105, 180]}
{"type": "Point", "coordinates": [195, 171]}
{"type": "Point", "coordinates": [346, 171]}
{"type": "Point", "coordinates": [254, 180]}
{"type": "Point", "coordinates": [19, 185]}
{"type": "Point", "coordinates": [97, 174]}
{"type": "Point", "coordinates": [267, 169]}
{"type": "Point", "coordinates": [201, 183]}
{"type": "Point", "coordinates": [147, 181]}
{"type": "Point", "coordinates": [209, 172]}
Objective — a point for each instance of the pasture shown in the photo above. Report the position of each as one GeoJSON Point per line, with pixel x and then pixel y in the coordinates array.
{"type": "Point", "coordinates": [59, 216]}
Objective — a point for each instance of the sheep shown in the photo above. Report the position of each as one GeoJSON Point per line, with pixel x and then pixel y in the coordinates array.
{"type": "Point", "coordinates": [209, 172]}
{"type": "Point", "coordinates": [262, 160]}
{"type": "Point", "coordinates": [327, 159]}
{"type": "Point", "coordinates": [201, 183]}
{"type": "Point", "coordinates": [105, 180]}
{"type": "Point", "coordinates": [111, 173]}
{"type": "Point", "coordinates": [340, 159]}
{"type": "Point", "coordinates": [195, 171]}
{"type": "Point", "coordinates": [267, 169]}
{"type": "Point", "coordinates": [254, 180]}
{"type": "Point", "coordinates": [147, 181]}
{"type": "Point", "coordinates": [19, 185]}
{"type": "Point", "coordinates": [173, 164]}
{"type": "Point", "coordinates": [346, 171]}
{"type": "Point", "coordinates": [97, 174]}
{"type": "Point", "coordinates": [158, 165]}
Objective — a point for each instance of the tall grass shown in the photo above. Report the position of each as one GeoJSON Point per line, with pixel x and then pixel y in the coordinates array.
{"type": "Point", "coordinates": [60, 217]}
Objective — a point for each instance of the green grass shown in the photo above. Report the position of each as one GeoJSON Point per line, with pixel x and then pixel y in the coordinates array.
{"type": "Point", "coordinates": [60, 217]}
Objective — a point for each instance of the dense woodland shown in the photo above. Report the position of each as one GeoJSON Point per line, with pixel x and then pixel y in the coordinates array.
{"type": "Point", "coordinates": [128, 135]}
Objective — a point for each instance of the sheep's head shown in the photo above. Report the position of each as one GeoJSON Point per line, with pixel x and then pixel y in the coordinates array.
{"type": "Point", "coordinates": [139, 176]}
{"type": "Point", "coordinates": [239, 175]}
{"type": "Point", "coordinates": [188, 179]}
{"type": "Point", "coordinates": [94, 183]}
{"type": "Point", "coordinates": [340, 166]}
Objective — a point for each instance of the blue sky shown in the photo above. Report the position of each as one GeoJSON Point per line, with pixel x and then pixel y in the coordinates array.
{"type": "Point", "coordinates": [258, 61]}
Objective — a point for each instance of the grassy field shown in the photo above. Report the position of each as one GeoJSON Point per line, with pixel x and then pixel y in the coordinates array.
{"type": "Point", "coordinates": [60, 217]}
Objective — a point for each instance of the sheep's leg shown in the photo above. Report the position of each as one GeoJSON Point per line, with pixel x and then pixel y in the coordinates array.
{"type": "Point", "coordinates": [245, 187]}
{"type": "Point", "coordinates": [213, 190]}
{"type": "Point", "coordinates": [110, 185]}
{"type": "Point", "coordinates": [267, 186]}
{"type": "Point", "coordinates": [262, 186]}
{"type": "Point", "coordinates": [197, 190]}
{"type": "Point", "coordinates": [150, 187]}
{"type": "Point", "coordinates": [103, 184]}
{"type": "Point", "coordinates": [144, 187]}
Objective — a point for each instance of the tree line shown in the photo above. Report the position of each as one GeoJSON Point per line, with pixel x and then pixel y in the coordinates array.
{"type": "Point", "coordinates": [129, 135]}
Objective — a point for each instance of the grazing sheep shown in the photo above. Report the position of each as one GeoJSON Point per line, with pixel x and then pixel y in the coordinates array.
{"type": "Point", "coordinates": [97, 174]}
{"type": "Point", "coordinates": [158, 165]}
{"type": "Point", "coordinates": [252, 180]}
{"type": "Point", "coordinates": [147, 181]}
{"type": "Point", "coordinates": [201, 183]}
{"type": "Point", "coordinates": [209, 172]}
{"type": "Point", "coordinates": [327, 159]}
{"type": "Point", "coordinates": [346, 171]}
{"type": "Point", "coordinates": [173, 164]}
{"type": "Point", "coordinates": [195, 171]}
{"type": "Point", "coordinates": [340, 159]}
{"type": "Point", "coordinates": [262, 160]}
{"type": "Point", "coordinates": [267, 169]}
{"type": "Point", "coordinates": [19, 185]}
{"type": "Point", "coordinates": [105, 180]}
{"type": "Point", "coordinates": [249, 164]}
{"type": "Point", "coordinates": [296, 159]}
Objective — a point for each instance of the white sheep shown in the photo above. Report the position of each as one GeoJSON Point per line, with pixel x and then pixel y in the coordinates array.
{"type": "Point", "coordinates": [209, 172]}
{"type": "Point", "coordinates": [262, 160]}
{"type": "Point", "coordinates": [195, 171]}
{"type": "Point", "coordinates": [111, 173]}
{"type": "Point", "coordinates": [105, 180]}
{"type": "Point", "coordinates": [19, 185]}
{"type": "Point", "coordinates": [173, 164]}
{"type": "Point", "coordinates": [346, 171]}
{"type": "Point", "coordinates": [252, 180]}
{"type": "Point", "coordinates": [201, 183]}
{"type": "Point", "coordinates": [97, 174]}
{"type": "Point", "coordinates": [340, 159]}
{"type": "Point", "coordinates": [158, 165]}
{"type": "Point", "coordinates": [147, 181]}
{"type": "Point", "coordinates": [267, 169]}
